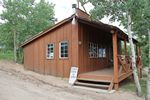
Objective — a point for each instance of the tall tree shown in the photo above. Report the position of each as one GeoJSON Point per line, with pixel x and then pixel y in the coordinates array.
{"type": "Point", "coordinates": [141, 26]}
{"type": "Point", "coordinates": [148, 80]}
{"type": "Point", "coordinates": [123, 11]}
{"type": "Point", "coordinates": [23, 19]}
{"type": "Point", "coordinates": [146, 20]}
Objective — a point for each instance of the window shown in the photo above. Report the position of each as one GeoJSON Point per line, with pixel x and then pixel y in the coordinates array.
{"type": "Point", "coordinates": [50, 51]}
{"type": "Point", "coordinates": [93, 50]}
{"type": "Point", "coordinates": [102, 52]}
{"type": "Point", "coordinates": [63, 49]}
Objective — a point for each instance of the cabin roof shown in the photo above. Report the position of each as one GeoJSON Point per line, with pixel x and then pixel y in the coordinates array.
{"type": "Point", "coordinates": [99, 25]}
{"type": "Point", "coordinates": [106, 27]}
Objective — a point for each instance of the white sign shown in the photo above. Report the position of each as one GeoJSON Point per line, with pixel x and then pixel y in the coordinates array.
{"type": "Point", "coordinates": [73, 75]}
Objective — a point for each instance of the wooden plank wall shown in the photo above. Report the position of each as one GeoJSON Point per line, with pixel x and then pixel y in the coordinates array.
{"type": "Point", "coordinates": [86, 35]}
{"type": "Point", "coordinates": [35, 52]}
{"type": "Point", "coordinates": [28, 54]}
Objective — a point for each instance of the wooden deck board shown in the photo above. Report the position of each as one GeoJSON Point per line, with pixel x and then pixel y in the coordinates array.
{"type": "Point", "coordinates": [101, 72]}
{"type": "Point", "coordinates": [103, 75]}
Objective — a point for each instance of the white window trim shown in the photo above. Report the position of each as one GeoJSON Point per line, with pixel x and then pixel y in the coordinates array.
{"type": "Point", "coordinates": [95, 53]}
{"type": "Point", "coordinates": [60, 49]}
{"type": "Point", "coordinates": [47, 51]}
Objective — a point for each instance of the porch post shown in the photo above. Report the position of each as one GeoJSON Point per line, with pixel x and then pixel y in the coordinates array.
{"type": "Point", "coordinates": [125, 46]}
{"type": "Point", "coordinates": [115, 59]}
{"type": "Point", "coordinates": [137, 52]}
{"type": "Point", "coordinates": [125, 53]}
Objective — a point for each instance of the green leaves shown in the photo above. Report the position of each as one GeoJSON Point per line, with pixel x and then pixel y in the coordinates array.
{"type": "Point", "coordinates": [26, 18]}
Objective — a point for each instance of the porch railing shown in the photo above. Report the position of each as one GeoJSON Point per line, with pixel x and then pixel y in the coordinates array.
{"type": "Point", "coordinates": [125, 64]}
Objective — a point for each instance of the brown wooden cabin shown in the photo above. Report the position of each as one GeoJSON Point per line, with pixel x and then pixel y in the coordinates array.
{"type": "Point", "coordinates": [99, 51]}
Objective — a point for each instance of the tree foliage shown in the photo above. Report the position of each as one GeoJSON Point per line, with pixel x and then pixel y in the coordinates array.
{"type": "Point", "coordinates": [115, 9]}
{"type": "Point", "coordinates": [24, 17]}
{"type": "Point", "coordinates": [141, 26]}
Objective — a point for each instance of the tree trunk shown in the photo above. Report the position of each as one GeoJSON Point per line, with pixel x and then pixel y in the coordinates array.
{"type": "Point", "coordinates": [148, 80]}
{"type": "Point", "coordinates": [78, 3]}
{"type": "Point", "coordinates": [134, 68]}
{"type": "Point", "coordinates": [15, 48]}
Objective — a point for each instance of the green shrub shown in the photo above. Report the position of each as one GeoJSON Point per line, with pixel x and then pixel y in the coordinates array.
{"type": "Point", "coordinates": [6, 55]}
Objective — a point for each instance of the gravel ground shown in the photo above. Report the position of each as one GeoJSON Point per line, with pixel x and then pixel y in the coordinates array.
{"type": "Point", "coordinates": [19, 84]}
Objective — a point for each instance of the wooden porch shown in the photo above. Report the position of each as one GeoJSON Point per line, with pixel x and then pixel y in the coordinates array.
{"type": "Point", "coordinates": [121, 67]}
{"type": "Point", "coordinates": [104, 76]}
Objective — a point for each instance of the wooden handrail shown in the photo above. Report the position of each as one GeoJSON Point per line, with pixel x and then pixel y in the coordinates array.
{"type": "Point", "coordinates": [125, 63]}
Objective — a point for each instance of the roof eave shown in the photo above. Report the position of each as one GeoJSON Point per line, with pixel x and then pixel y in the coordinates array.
{"type": "Point", "coordinates": [105, 26]}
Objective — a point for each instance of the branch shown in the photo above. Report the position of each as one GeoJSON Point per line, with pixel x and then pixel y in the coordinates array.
{"type": "Point", "coordinates": [83, 3]}
{"type": "Point", "coordinates": [84, 8]}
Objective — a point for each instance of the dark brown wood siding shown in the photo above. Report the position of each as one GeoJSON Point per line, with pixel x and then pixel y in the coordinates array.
{"type": "Point", "coordinates": [35, 52]}
{"type": "Point", "coordinates": [89, 34]}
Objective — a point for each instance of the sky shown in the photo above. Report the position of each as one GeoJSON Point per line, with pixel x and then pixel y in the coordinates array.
{"type": "Point", "coordinates": [63, 9]}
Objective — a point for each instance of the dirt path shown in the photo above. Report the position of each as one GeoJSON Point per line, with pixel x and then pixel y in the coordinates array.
{"type": "Point", "coordinates": [19, 84]}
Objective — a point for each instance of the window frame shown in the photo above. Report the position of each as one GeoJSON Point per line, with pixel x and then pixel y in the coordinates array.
{"type": "Point", "coordinates": [93, 50]}
{"type": "Point", "coordinates": [49, 57]}
{"type": "Point", "coordinates": [65, 41]}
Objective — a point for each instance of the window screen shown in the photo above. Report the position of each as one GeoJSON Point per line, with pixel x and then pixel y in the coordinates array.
{"type": "Point", "coordinates": [50, 51]}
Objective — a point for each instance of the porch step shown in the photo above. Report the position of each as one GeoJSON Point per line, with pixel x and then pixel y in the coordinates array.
{"type": "Point", "coordinates": [101, 84]}
{"type": "Point", "coordinates": [91, 85]}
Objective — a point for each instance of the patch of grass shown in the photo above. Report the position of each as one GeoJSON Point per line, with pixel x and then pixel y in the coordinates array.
{"type": "Point", "coordinates": [6, 55]}
{"type": "Point", "coordinates": [129, 85]}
